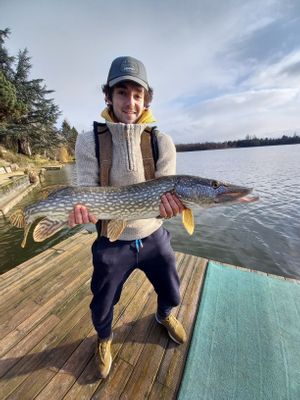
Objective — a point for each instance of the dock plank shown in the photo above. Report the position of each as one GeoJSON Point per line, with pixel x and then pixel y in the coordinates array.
{"type": "Point", "coordinates": [47, 340]}
{"type": "Point", "coordinates": [10, 320]}
{"type": "Point", "coordinates": [13, 356]}
{"type": "Point", "coordinates": [64, 379]}
{"type": "Point", "coordinates": [15, 336]}
{"type": "Point", "coordinates": [39, 262]}
{"type": "Point", "coordinates": [173, 363]}
{"type": "Point", "coordinates": [44, 272]}
{"type": "Point", "coordinates": [49, 363]}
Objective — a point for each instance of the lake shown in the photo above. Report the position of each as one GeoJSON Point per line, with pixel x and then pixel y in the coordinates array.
{"type": "Point", "coordinates": [264, 235]}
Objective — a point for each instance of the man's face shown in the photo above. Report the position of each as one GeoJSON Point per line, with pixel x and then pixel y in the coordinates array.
{"type": "Point", "coordinates": [128, 102]}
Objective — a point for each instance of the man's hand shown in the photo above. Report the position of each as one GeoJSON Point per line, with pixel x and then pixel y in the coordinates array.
{"type": "Point", "coordinates": [81, 215]}
{"type": "Point", "coordinates": [170, 206]}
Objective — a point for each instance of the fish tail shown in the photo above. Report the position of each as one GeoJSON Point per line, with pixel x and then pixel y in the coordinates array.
{"type": "Point", "coordinates": [17, 219]}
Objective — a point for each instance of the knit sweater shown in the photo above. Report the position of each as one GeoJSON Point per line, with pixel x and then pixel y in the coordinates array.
{"type": "Point", "coordinates": [127, 166]}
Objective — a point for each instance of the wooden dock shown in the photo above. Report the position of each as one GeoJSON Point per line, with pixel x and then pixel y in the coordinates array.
{"type": "Point", "coordinates": [47, 340]}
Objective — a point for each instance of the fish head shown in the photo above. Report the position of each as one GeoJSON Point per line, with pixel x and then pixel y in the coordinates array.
{"type": "Point", "coordinates": [203, 192]}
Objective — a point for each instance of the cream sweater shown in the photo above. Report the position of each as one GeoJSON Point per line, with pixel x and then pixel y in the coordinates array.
{"type": "Point", "coordinates": [127, 166]}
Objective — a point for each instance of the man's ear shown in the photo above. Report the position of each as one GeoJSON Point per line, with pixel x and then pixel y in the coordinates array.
{"type": "Point", "coordinates": [107, 101]}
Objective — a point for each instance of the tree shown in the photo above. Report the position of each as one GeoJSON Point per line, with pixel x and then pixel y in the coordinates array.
{"type": "Point", "coordinates": [11, 107]}
{"type": "Point", "coordinates": [69, 136]}
{"type": "Point", "coordinates": [6, 61]}
{"type": "Point", "coordinates": [32, 128]}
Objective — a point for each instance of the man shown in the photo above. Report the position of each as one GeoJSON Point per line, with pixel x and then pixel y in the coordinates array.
{"type": "Point", "coordinates": [146, 242]}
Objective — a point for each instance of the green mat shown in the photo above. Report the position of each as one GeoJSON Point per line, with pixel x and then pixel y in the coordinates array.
{"type": "Point", "coordinates": [246, 342]}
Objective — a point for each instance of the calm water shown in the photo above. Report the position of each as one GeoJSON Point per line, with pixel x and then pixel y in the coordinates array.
{"type": "Point", "coordinates": [263, 235]}
{"type": "Point", "coordinates": [11, 253]}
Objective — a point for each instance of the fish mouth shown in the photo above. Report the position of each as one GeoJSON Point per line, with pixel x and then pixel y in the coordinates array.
{"type": "Point", "coordinates": [238, 196]}
{"type": "Point", "coordinates": [250, 198]}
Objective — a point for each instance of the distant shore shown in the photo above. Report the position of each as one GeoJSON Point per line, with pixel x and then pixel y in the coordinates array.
{"type": "Point", "coordinates": [233, 144]}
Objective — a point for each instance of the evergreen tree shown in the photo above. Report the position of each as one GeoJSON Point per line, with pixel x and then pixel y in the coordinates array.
{"type": "Point", "coordinates": [32, 127]}
{"type": "Point", "coordinates": [6, 61]}
{"type": "Point", "coordinates": [69, 136]}
{"type": "Point", "coordinates": [65, 129]}
{"type": "Point", "coordinates": [72, 139]}
{"type": "Point", "coordinates": [10, 106]}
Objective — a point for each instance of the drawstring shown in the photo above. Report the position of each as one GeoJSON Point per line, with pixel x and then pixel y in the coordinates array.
{"type": "Point", "coordinates": [138, 245]}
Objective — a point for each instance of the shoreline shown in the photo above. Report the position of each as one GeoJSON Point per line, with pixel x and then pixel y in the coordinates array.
{"type": "Point", "coordinates": [7, 204]}
{"type": "Point", "coordinates": [18, 183]}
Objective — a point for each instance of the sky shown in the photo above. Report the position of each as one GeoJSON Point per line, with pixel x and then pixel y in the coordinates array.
{"type": "Point", "coordinates": [220, 69]}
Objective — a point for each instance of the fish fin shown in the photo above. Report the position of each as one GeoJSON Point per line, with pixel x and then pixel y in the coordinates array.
{"type": "Point", "coordinates": [17, 219]}
{"type": "Point", "coordinates": [54, 190]}
{"type": "Point", "coordinates": [188, 220]}
{"type": "Point", "coordinates": [26, 231]}
{"type": "Point", "coordinates": [115, 229]}
{"type": "Point", "coordinates": [47, 228]}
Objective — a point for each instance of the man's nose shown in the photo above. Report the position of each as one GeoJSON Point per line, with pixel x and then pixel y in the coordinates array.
{"type": "Point", "coordinates": [130, 99]}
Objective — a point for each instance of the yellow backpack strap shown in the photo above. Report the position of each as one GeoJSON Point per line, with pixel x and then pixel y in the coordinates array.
{"type": "Point", "coordinates": [148, 148]}
{"type": "Point", "coordinates": [103, 143]}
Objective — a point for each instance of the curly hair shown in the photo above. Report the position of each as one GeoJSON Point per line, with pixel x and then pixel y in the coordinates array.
{"type": "Point", "coordinates": [108, 92]}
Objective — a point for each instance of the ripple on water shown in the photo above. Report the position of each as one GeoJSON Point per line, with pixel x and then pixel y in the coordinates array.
{"type": "Point", "coordinates": [264, 235]}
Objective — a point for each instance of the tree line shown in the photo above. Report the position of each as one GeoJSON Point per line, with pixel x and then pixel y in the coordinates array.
{"type": "Point", "coordinates": [247, 142]}
{"type": "Point", "coordinates": [27, 114]}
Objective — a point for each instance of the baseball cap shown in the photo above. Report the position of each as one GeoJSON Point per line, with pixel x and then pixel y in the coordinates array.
{"type": "Point", "coordinates": [127, 68]}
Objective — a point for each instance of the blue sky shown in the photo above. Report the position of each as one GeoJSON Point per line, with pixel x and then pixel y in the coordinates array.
{"type": "Point", "coordinates": [220, 70]}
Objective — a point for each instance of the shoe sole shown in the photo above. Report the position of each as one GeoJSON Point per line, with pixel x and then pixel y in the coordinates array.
{"type": "Point", "coordinates": [174, 340]}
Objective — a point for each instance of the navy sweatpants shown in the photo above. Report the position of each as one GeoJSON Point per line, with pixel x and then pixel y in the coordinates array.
{"type": "Point", "coordinates": [115, 261]}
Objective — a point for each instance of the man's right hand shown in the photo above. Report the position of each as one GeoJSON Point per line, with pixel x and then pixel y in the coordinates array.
{"type": "Point", "coordinates": [81, 215]}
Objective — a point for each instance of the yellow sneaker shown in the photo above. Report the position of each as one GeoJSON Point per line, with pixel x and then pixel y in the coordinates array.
{"type": "Point", "coordinates": [174, 327]}
{"type": "Point", "coordinates": [103, 356]}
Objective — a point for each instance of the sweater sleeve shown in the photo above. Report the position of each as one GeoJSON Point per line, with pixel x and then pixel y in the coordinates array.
{"type": "Point", "coordinates": [166, 163]}
{"type": "Point", "coordinates": [86, 161]}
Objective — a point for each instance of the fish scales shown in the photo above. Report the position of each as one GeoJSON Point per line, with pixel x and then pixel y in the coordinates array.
{"type": "Point", "coordinates": [124, 203]}
{"type": "Point", "coordinates": [107, 203]}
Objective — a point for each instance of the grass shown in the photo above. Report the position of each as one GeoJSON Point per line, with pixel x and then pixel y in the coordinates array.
{"type": "Point", "coordinates": [8, 157]}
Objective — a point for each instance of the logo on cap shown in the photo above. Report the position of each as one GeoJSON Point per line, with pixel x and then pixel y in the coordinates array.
{"type": "Point", "coordinates": [129, 67]}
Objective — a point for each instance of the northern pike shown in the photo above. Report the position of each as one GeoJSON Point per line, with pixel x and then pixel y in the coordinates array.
{"type": "Point", "coordinates": [124, 203]}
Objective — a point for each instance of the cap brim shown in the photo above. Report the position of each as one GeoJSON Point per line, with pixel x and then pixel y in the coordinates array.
{"type": "Point", "coordinates": [128, 78]}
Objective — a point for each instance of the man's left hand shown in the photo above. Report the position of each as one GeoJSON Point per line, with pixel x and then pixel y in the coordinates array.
{"type": "Point", "coordinates": [170, 206]}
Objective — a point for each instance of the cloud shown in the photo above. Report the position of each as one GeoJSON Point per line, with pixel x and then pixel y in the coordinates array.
{"type": "Point", "coordinates": [220, 70]}
{"type": "Point", "coordinates": [281, 74]}
{"type": "Point", "coordinates": [230, 117]}
{"type": "Point", "coordinates": [252, 94]}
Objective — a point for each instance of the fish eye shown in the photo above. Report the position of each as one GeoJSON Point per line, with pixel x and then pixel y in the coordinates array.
{"type": "Point", "coordinates": [215, 184]}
